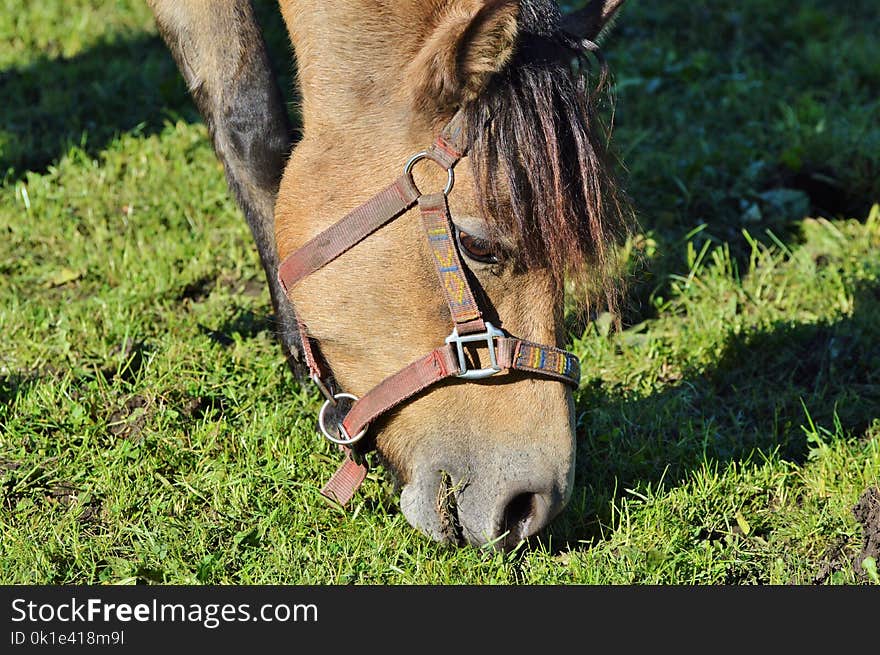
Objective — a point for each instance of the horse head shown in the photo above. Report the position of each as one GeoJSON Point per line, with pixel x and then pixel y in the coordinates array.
{"type": "Point", "coordinates": [533, 211]}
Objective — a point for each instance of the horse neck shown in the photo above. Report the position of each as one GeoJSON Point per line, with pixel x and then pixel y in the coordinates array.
{"type": "Point", "coordinates": [351, 59]}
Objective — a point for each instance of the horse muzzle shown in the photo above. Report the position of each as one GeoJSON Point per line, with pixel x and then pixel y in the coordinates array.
{"type": "Point", "coordinates": [499, 497]}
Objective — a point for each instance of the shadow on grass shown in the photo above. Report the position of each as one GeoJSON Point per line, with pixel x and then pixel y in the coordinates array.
{"type": "Point", "coordinates": [126, 84]}
{"type": "Point", "coordinates": [13, 385]}
{"type": "Point", "coordinates": [87, 101]}
{"type": "Point", "coordinates": [246, 324]}
{"type": "Point", "coordinates": [754, 398]}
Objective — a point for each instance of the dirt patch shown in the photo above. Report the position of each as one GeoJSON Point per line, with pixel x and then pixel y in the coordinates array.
{"type": "Point", "coordinates": [68, 495]}
{"type": "Point", "coordinates": [838, 556]}
{"type": "Point", "coordinates": [867, 512]}
{"type": "Point", "coordinates": [91, 516]}
{"type": "Point", "coordinates": [62, 492]}
{"type": "Point", "coordinates": [198, 407]}
{"type": "Point", "coordinates": [131, 355]}
{"type": "Point", "coordinates": [128, 421]}
{"type": "Point", "coordinates": [36, 485]}
{"type": "Point", "coordinates": [834, 559]}
{"type": "Point", "coordinates": [194, 408]}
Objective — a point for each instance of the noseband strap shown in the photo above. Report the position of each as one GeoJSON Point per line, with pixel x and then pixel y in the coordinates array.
{"type": "Point", "coordinates": [455, 359]}
{"type": "Point", "coordinates": [443, 363]}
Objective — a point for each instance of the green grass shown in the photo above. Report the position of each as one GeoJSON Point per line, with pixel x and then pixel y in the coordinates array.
{"type": "Point", "coordinates": [150, 431]}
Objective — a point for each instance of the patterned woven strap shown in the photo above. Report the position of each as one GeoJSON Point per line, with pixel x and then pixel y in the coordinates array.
{"type": "Point", "coordinates": [537, 358]}
{"type": "Point", "coordinates": [315, 363]}
{"type": "Point", "coordinates": [447, 262]}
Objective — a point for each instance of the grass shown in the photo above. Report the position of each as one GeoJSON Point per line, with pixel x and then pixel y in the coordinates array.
{"type": "Point", "coordinates": [150, 431]}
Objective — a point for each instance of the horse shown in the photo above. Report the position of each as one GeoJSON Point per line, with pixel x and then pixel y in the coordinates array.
{"type": "Point", "coordinates": [480, 431]}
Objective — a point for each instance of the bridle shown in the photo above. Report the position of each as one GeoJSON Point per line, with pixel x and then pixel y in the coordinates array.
{"type": "Point", "coordinates": [469, 328]}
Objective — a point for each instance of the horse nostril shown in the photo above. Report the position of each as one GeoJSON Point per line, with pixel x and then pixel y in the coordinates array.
{"type": "Point", "coordinates": [518, 516]}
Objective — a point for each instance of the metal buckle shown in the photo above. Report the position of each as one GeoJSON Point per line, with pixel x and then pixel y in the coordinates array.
{"type": "Point", "coordinates": [488, 336]}
{"type": "Point", "coordinates": [343, 438]}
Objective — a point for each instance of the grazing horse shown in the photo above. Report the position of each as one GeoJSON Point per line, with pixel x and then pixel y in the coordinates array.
{"type": "Point", "coordinates": [367, 278]}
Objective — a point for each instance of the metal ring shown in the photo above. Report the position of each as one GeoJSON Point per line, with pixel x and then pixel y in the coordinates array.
{"type": "Point", "coordinates": [415, 159]}
{"type": "Point", "coordinates": [346, 440]}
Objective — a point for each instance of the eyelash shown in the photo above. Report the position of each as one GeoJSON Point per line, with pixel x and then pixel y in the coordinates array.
{"type": "Point", "coordinates": [468, 243]}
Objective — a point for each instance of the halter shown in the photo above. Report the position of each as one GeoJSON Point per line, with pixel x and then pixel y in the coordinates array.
{"type": "Point", "coordinates": [351, 415]}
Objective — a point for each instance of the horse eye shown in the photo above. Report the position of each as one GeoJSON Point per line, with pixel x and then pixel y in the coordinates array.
{"type": "Point", "coordinates": [480, 250]}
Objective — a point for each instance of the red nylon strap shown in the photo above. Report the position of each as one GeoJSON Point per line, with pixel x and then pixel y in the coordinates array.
{"type": "Point", "coordinates": [421, 374]}
{"type": "Point", "coordinates": [345, 482]}
{"type": "Point", "coordinates": [356, 226]}
{"type": "Point", "coordinates": [438, 227]}
{"type": "Point", "coordinates": [313, 362]}
{"type": "Point", "coordinates": [450, 145]}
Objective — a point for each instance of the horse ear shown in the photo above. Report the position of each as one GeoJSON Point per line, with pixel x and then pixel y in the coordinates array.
{"type": "Point", "coordinates": [462, 53]}
{"type": "Point", "coordinates": [594, 20]}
